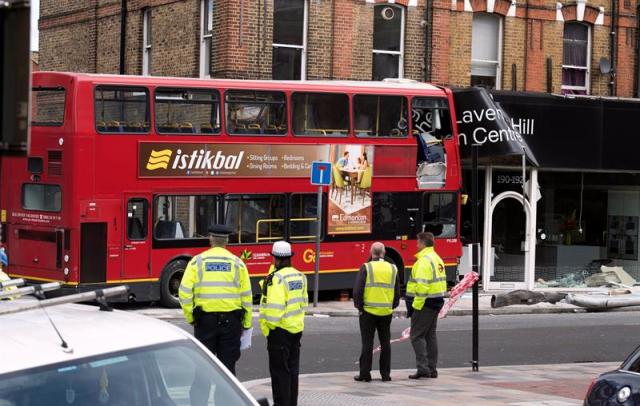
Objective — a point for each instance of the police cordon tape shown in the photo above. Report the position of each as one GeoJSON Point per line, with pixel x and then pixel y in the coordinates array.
{"type": "Point", "coordinates": [455, 293]}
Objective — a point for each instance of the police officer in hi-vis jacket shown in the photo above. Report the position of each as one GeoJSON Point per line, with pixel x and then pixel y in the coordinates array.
{"type": "Point", "coordinates": [282, 307]}
{"type": "Point", "coordinates": [375, 294]}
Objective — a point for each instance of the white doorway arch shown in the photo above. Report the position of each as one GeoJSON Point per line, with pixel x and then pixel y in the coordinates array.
{"type": "Point", "coordinates": [529, 242]}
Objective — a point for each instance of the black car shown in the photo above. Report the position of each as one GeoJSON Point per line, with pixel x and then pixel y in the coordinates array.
{"type": "Point", "coordinates": [619, 387]}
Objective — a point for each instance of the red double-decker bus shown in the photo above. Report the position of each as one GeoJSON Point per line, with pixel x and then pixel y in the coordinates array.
{"type": "Point", "coordinates": [125, 174]}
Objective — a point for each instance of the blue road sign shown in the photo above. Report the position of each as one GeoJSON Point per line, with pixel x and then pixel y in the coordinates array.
{"type": "Point", "coordinates": [320, 173]}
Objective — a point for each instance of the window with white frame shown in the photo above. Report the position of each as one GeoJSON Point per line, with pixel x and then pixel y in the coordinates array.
{"type": "Point", "coordinates": [486, 50]}
{"type": "Point", "coordinates": [388, 42]}
{"type": "Point", "coordinates": [206, 34]}
{"type": "Point", "coordinates": [146, 42]}
{"type": "Point", "coordinates": [289, 39]}
{"type": "Point", "coordinates": [576, 56]}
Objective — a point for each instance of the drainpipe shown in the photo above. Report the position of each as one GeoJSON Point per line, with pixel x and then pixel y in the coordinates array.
{"type": "Point", "coordinates": [638, 51]}
{"type": "Point", "coordinates": [123, 33]}
{"type": "Point", "coordinates": [526, 43]}
{"type": "Point", "coordinates": [333, 37]}
{"type": "Point", "coordinates": [613, 46]}
{"type": "Point", "coordinates": [428, 20]}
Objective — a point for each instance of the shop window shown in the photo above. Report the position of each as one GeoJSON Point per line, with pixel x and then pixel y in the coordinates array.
{"type": "Point", "coordinates": [439, 214]}
{"type": "Point", "coordinates": [137, 219]}
{"type": "Point", "coordinates": [388, 42]}
{"type": "Point", "coordinates": [146, 42]}
{"type": "Point", "coordinates": [206, 36]}
{"type": "Point", "coordinates": [486, 50]}
{"type": "Point", "coordinates": [302, 221]}
{"type": "Point", "coordinates": [380, 116]}
{"type": "Point", "coordinates": [186, 216]}
{"type": "Point", "coordinates": [320, 114]}
{"type": "Point", "coordinates": [289, 39]}
{"type": "Point", "coordinates": [576, 56]}
{"type": "Point", "coordinates": [47, 107]}
{"type": "Point", "coordinates": [41, 197]}
{"type": "Point", "coordinates": [256, 113]}
{"type": "Point", "coordinates": [254, 218]}
{"type": "Point", "coordinates": [180, 111]}
{"type": "Point", "coordinates": [121, 110]}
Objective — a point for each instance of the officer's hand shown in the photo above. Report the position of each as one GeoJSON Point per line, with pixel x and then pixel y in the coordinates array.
{"type": "Point", "coordinates": [409, 302]}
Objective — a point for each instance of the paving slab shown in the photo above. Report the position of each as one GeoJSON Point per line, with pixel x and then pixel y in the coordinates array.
{"type": "Point", "coordinates": [551, 385]}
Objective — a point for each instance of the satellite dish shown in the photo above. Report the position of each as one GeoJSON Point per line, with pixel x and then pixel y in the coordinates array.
{"type": "Point", "coordinates": [387, 13]}
{"type": "Point", "coordinates": [605, 65]}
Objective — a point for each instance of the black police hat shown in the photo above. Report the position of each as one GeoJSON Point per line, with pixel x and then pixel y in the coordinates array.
{"type": "Point", "coordinates": [219, 230]}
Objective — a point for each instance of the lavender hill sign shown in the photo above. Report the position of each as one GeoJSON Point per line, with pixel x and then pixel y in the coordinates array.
{"type": "Point", "coordinates": [482, 122]}
{"type": "Point", "coordinates": [563, 132]}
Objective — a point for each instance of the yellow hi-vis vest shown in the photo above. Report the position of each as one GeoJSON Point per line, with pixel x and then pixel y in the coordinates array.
{"type": "Point", "coordinates": [4, 278]}
{"type": "Point", "coordinates": [379, 288]}
{"type": "Point", "coordinates": [428, 278]}
{"type": "Point", "coordinates": [285, 301]}
{"type": "Point", "coordinates": [216, 281]}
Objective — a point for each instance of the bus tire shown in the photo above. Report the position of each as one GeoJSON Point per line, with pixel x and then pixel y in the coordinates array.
{"type": "Point", "coordinates": [170, 283]}
{"type": "Point", "coordinates": [393, 257]}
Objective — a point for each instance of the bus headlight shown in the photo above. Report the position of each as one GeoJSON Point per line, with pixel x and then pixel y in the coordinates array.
{"type": "Point", "coordinates": [66, 271]}
{"type": "Point", "coordinates": [66, 258]}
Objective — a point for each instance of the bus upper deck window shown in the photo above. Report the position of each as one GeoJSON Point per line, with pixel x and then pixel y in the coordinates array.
{"type": "Point", "coordinates": [380, 116]}
{"type": "Point", "coordinates": [47, 107]}
{"type": "Point", "coordinates": [250, 112]}
{"type": "Point", "coordinates": [121, 109]}
{"type": "Point", "coordinates": [182, 111]}
{"type": "Point", "coordinates": [320, 114]}
{"type": "Point", "coordinates": [431, 116]}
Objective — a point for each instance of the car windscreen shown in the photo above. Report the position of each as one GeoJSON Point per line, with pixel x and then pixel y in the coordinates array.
{"type": "Point", "coordinates": [632, 363]}
{"type": "Point", "coordinates": [176, 373]}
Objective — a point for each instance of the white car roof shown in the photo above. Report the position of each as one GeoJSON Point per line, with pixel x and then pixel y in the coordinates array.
{"type": "Point", "coordinates": [27, 339]}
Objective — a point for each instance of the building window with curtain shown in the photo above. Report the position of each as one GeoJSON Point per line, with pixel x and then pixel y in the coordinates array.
{"type": "Point", "coordinates": [146, 41]}
{"type": "Point", "coordinates": [289, 39]}
{"type": "Point", "coordinates": [388, 42]}
{"type": "Point", "coordinates": [486, 50]}
{"type": "Point", "coordinates": [576, 57]}
{"type": "Point", "coordinates": [206, 29]}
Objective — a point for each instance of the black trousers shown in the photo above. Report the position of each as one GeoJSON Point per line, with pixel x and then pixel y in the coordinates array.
{"type": "Point", "coordinates": [284, 366]}
{"type": "Point", "coordinates": [220, 333]}
{"type": "Point", "coordinates": [369, 323]}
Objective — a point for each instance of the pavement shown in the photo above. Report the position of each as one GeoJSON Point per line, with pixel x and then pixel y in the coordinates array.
{"type": "Point", "coordinates": [551, 385]}
{"type": "Point", "coordinates": [463, 307]}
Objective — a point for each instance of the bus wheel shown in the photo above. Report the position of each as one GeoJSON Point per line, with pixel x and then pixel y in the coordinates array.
{"type": "Point", "coordinates": [170, 283]}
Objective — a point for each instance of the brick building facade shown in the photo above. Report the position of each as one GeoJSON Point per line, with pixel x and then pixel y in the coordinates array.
{"type": "Point", "coordinates": [436, 39]}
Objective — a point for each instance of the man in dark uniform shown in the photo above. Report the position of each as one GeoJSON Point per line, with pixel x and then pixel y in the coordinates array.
{"type": "Point", "coordinates": [215, 295]}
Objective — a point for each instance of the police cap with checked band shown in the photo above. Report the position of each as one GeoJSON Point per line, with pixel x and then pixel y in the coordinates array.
{"type": "Point", "coordinates": [219, 230]}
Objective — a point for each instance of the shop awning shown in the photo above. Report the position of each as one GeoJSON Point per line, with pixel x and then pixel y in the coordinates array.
{"type": "Point", "coordinates": [482, 121]}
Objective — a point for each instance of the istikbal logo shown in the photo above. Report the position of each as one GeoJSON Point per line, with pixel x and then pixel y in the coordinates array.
{"type": "Point", "coordinates": [159, 159]}
{"type": "Point", "coordinates": [197, 159]}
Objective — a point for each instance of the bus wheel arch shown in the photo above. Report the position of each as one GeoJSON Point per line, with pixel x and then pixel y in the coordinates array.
{"type": "Point", "coordinates": [170, 281]}
{"type": "Point", "coordinates": [394, 257]}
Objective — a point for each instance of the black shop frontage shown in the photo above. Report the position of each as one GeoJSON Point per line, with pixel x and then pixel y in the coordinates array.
{"type": "Point", "coordinates": [581, 204]}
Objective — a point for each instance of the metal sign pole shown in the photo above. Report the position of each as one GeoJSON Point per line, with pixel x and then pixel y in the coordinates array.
{"type": "Point", "coordinates": [316, 282]}
{"type": "Point", "coordinates": [475, 253]}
